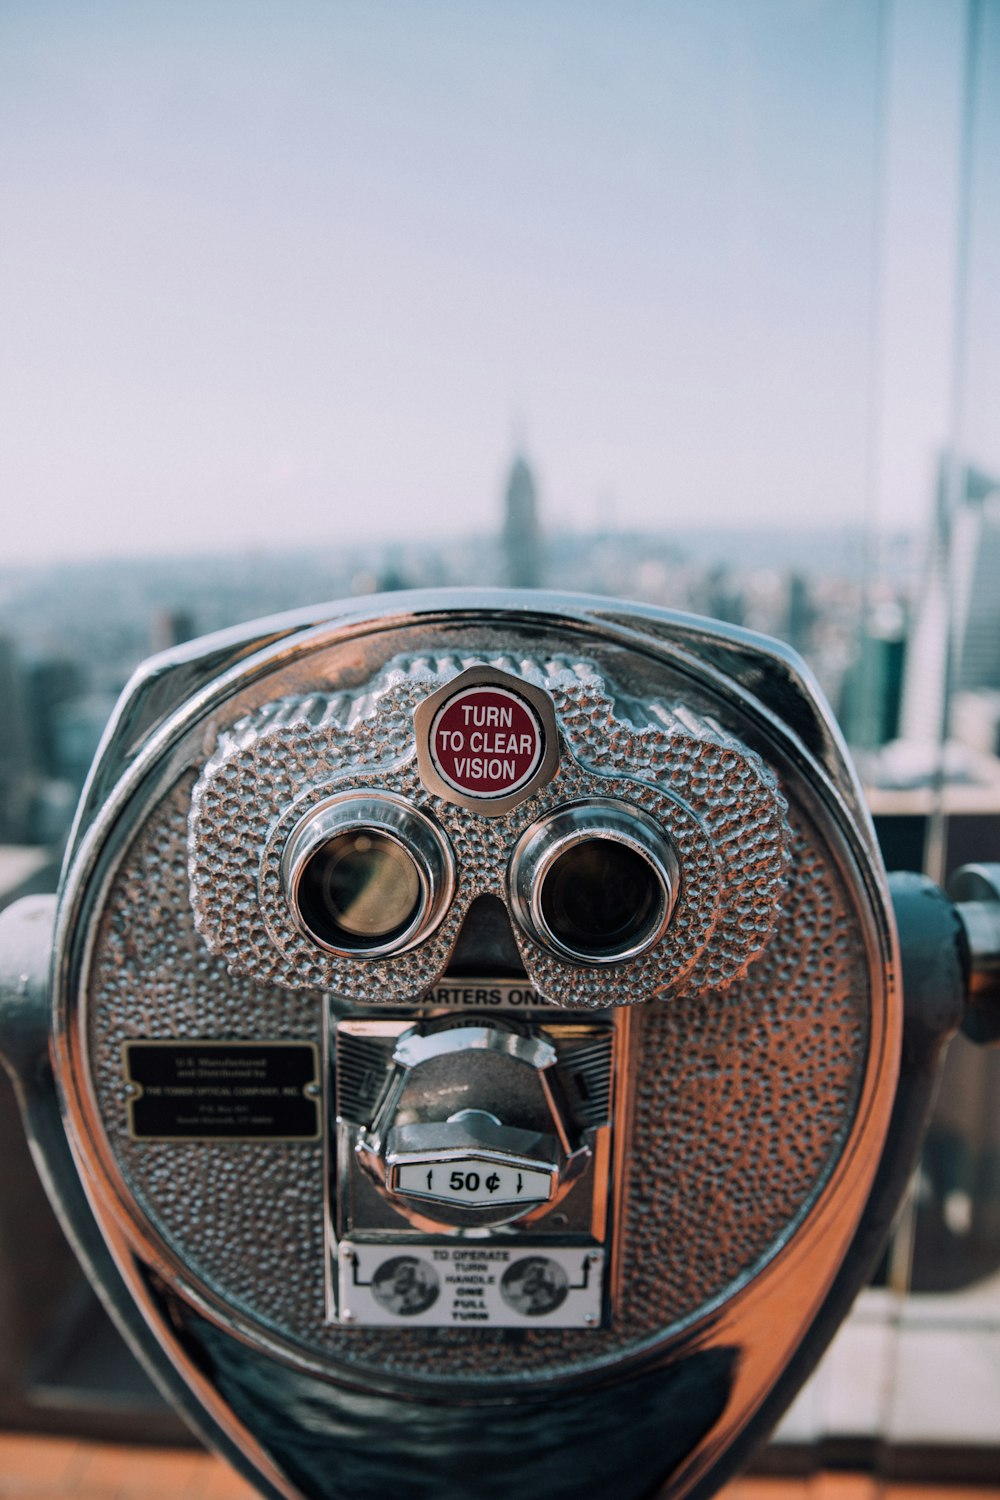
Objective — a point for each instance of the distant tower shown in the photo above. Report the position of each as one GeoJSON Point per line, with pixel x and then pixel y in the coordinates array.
{"type": "Point", "coordinates": [171, 627]}
{"type": "Point", "coordinates": [521, 538]}
{"type": "Point", "coordinates": [17, 780]}
{"type": "Point", "coordinates": [873, 684]}
{"type": "Point", "coordinates": [801, 614]}
{"type": "Point", "coordinates": [960, 586]}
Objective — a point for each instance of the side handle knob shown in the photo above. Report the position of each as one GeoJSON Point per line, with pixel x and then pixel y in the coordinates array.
{"type": "Point", "coordinates": [975, 890]}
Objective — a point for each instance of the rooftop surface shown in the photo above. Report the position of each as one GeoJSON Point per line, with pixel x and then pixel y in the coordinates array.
{"type": "Point", "coordinates": [34, 1468]}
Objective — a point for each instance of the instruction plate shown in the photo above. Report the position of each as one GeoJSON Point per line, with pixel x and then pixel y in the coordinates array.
{"type": "Point", "coordinates": [466, 1286]}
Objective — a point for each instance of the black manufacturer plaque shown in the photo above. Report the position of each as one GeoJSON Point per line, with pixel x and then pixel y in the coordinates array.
{"type": "Point", "coordinates": [231, 1091]}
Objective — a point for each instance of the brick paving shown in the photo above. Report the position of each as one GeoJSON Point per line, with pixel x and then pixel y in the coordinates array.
{"type": "Point", "coordinates": [34, 1468]}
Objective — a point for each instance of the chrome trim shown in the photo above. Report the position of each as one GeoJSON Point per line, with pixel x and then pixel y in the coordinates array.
{"type": "Point", "coordinates": [416, 1047]}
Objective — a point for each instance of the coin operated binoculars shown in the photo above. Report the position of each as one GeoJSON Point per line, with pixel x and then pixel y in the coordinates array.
{"type": "Point", "coordinates": [470, 1051]}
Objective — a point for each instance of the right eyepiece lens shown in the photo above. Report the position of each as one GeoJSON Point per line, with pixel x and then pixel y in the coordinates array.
{"type": "Point", "coordinates": [601, 897]}
{"type": "Point", "coordinates": [362, 886]}
{"type": "Point", "coordinates": [594, 882]}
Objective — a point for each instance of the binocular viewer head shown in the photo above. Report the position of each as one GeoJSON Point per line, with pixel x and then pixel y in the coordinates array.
{"type": "Point", "coordinates": [475, 1022]}
{"type": "Point", "coordinates": [340, 840]}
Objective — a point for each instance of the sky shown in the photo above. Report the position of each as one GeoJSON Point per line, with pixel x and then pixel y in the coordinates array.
{"type": "Point", "coordinates": [289, 273]}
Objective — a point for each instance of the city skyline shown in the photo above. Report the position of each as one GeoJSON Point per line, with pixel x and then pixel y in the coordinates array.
{"type": "Point", "coordinates": [305, 277]}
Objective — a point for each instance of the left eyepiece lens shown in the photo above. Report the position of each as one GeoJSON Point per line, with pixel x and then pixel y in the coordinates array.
{"type": "Point", "coordinates": [367, 875]}
{"type": "Point", "coordinates": [362, 885]}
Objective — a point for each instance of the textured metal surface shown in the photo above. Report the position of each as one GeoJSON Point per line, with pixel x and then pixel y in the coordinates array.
{"type": "Point", "coordinates": [775, 1063]}
{"type": "Point", "coordinates": [716, 800]}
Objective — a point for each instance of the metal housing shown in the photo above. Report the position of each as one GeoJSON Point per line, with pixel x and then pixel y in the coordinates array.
{"type": "Point", "coordinates": [752, 1089]}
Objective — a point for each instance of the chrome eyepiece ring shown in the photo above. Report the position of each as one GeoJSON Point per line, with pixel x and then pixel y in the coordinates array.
{"type": "Point", "coordinates": [594, 882]}
{"type": "Point", "coordinates": [367, 874]}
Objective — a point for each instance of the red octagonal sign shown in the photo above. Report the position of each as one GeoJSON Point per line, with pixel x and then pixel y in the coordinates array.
{"type": "Point", "coordinates": [486, 741]}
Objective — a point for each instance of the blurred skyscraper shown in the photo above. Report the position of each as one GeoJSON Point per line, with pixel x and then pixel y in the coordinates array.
{"type": "Point", "coordinates": [171, 627]}
{"type": "Point", "coordinates": [959, 602]}
{"type": "Point", "coordinates": [872, 691]}
{"type": "Point", "coordinates": [16, 777]}
{"type": "Point", "coordinates": [521, 534]}
{"type": "Point", "coordinates": [801, 615]}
